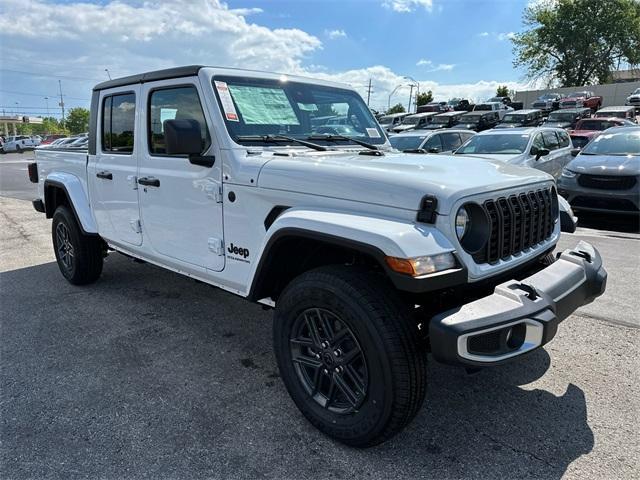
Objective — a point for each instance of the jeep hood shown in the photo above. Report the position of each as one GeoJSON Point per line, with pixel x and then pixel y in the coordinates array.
{"type": "Point", "coordinates": [605, 164]}
{"type": "Point", "coordinates": [396, 179]}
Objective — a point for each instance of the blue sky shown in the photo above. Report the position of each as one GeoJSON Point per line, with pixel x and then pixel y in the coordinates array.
{"type": "Point", "coordinates": [454, 47]}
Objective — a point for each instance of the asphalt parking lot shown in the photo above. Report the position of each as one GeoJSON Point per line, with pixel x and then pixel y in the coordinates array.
{"type": "Point", "coordinates": [147, 374]}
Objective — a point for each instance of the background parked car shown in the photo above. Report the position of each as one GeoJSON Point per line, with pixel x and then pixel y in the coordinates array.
{"type": "Point", "coordinates": [521, 118]}
{"type": "Point", "coordinates": [582, 99]}
{"type": "Point", "coordinates": [424, 141]}
{"type": "Point", "coordinates": [388, 122]}
{"type": "Point", "coordinates": [19, 144]}
{"type": "Point", "coordinates": [580, 139]}
{"type": "Point", "coordinates": [605, 175]}
{"type": "Point", "coordinates": [444, 120]}
{"type": "Point", "coordinates": [548, 102]}
{"type": "Point", "coordinates": [547, 149]}
{"type": "Point", "coordinates": [50, 138]}
{"type": "Point", "coordinates": [567, 118]}
{"type": "Point", "coordinates": [596, 124]}
{"type": "Point", "coordinates": [626, 112]}
{"type": "Point", "coordinates": [634, 99]}
{"type": "Point", "coordinates": [507, 101]}
{"type": "Point", "coordinates": [500, 108]}
{"type": "Point", "coordinates": [438, 107]}
{"type": "Point", "coordinates": [478, 121]}
{"type": "Point", "coordinates": [415, 121]}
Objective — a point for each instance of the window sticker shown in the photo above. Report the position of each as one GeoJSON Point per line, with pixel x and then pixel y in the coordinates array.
{"type": "Point", "coordinates": [373, 133]}
{"type": "Point", "coordinates": [227, 102]}
{"type": "Point", "coordinates": [263, 105]}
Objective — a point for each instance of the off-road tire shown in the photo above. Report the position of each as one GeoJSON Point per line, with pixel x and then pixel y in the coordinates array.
{"type": "Point", "coordinates": [396, 364]}
{"type": "Point", "coordinates": [86, 257]}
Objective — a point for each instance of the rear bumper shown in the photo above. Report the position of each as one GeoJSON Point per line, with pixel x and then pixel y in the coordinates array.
{"type": "Point", "coordinates": [520, 316]}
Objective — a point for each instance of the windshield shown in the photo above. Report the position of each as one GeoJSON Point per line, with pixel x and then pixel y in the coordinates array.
{"type": "Point", "coordinates": [595, 125]}
{"type": "Point", "coordinates": [411, 120]}
{"type": "Point", "coordinates": [513, 118]}
{"type": "Point", "coordinates": [441, 119]}
{"type": "Point", "coordinates": [579, 141]}
{"type": "Point", "coordinates": [259, 107]}
{"type": "Point", "coordinates": [470, 118]}
{"type": "Point", "coordinates": [407, 143]}
{"type": "Point", "coordinates": [547, 97]}
{"type": "Point", "coordinates": [618, 143]}
{"type": "Point", "coordinates": [495, 99]}
{"type": "Point", "coordinates": [636, 91]}
{"type": "Point", "coordinates": [611, 114]}
{"type": "Point", "coordinates": [484, 107]}
{"type": "Point", "coordinates": [495, 144]}
{"type": "Point", "coordinates": [561, 117]}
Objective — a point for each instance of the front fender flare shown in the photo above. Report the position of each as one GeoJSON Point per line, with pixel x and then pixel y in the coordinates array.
{"type": "Point", "coordinates": [376, 236]}
{"type": "Point", "coordinates": [77, 197]}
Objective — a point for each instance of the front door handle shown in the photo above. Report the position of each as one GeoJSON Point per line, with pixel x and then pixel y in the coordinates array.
{"type": "Point", "coordinates": [149, 182]}
{"type": "Point", "coordinates": [105, 175]}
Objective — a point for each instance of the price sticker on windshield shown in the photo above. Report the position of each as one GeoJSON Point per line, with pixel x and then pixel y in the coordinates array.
{"type": "Point", "coordinates": [227, 102]}
{"type": "Point", "coordinates": [373, 132]}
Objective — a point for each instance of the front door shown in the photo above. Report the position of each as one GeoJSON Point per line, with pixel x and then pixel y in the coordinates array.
{"type": "Point", "coordinates": [111, 174]}
{"type": "Point", "coordinates": [180, 203]}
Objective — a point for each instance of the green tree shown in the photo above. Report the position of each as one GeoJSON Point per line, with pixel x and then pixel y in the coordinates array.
{"type": "Point", "coordinates": [577, 42]}
{"type": "Point", "coordinates": [397, 108]}
{"type": "Point", "coordinates": [78, 120]}
{"type": "Point", "coordinates": [502, 91]}
{"type": "Point", "coordinates": [424, 98]}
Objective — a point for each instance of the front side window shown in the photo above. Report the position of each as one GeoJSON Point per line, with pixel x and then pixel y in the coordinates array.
{"type": "Point", "coordinates": [255, 107]}
{"type": "Point", "coordinates": [450, 141]}
{"type": "Point", "coordinates": [176, 103]}
{"type": "Point", "coordinates": [434, 143]}
{"type": "Point", "coordinates": [118, 123]}
{"type": "Point", "coordinates": [550, 140]}
{"type": "Point", "coordinates": [411, 142]}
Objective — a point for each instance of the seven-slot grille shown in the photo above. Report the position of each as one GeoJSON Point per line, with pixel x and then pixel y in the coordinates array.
{"type": "Point", "coordinates": [607, 182]}
{"type": "Point", "coordinates": [517, 222]}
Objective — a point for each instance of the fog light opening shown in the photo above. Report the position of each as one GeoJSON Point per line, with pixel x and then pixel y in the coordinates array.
{"type": "Point", "coordinates": [515, 336]}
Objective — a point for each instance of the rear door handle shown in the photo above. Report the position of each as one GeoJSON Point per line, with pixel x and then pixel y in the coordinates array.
{"type": "Point", "coordinates": [105, 175]}
{"type": "Point", "coordinates": [149, 182]}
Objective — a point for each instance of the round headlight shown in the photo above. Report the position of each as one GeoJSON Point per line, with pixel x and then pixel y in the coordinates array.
{"type": "Point", "coordinates": [462, 222]}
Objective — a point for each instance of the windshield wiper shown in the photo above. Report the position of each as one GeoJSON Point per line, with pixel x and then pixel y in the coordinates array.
{"type": "Point", "coordinates": [333, 136]}
{"type": "Point", "coordinates": [279, 138]}
{"type": "Point", "coordinates": [414, 150]}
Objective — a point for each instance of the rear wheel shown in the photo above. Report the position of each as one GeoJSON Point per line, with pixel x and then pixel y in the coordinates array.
{"type": "Point", "coordinates": [79, 256]}
{"type": "Point", "coordinates": [349, 355]}
{"type": "Point", "coordinates": [18, 149]}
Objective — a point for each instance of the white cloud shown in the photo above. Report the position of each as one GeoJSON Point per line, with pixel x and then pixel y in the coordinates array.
{"type": "Point", "coordinates": [483, 34]}
{"type": "Point", "coordinates": [506, 36]}
{"type": "Point", "coordinates": [333, 34]}
{"type": "Point", "coordinates": [406, 6]}
{"type": "Point", "coordinates": [435, 68]}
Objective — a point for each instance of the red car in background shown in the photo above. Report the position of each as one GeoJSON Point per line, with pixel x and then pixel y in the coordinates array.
{"type": "Point", "coordinates": [580, 139]}
{"type": "Point", "coordinates": [598, 124]}
{"type": "Point", "coordinates": [47, 139]}
{"type": "Point", "coordinates": [582, 99]}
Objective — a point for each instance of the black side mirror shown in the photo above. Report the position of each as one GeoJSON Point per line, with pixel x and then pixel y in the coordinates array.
{"type": "Point", "coordinates": [539, 152]}
{"type": "Point", "coordinates": [434, 150]}
{"type": "Point", "coordinates": [182, 137]}
{"type": "Point", "coordinates": [575, 152]}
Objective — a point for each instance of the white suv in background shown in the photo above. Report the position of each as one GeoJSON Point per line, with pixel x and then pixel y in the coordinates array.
{"type": "Point", "coordinates": [547, 149]}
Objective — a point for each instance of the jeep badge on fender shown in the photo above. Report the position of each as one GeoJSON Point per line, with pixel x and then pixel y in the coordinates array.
{"type": "Point", "coordinates": [348, 235]}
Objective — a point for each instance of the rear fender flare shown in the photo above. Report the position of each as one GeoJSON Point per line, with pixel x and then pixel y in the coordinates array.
{"type": "Point", "coordinates": [76, 196]}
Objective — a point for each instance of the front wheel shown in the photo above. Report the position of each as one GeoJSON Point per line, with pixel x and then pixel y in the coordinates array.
{"type": "Point", "coordinates": [349, 355]}
{"type": "Point", "coordinates": [18, 149]}
{"type": "Point", "coordinates": [79, 256]}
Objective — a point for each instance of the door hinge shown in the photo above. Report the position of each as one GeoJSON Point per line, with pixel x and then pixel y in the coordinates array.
{"type": "Point", "coordinates": [136, 225]}
{"type": "Point", "coordinates": [214, 192]}
{"type": "Point", "coordinates": [216, 245]}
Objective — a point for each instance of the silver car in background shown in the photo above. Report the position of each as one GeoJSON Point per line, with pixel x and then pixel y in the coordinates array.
{"type": "Point", "coordinates": [605, 175]}
{"type": "Point", "coordinates": [429, 141]}
{"type": "Point", "coordinates": [547, 149]}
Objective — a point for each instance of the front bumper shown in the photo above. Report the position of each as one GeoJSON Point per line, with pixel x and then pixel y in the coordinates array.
{"type": "Point", "coordinates": [584, 199]}
{"type": "Point", "coordinates": [520, 316]}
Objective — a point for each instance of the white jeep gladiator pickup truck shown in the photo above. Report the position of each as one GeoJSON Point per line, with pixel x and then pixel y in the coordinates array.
{"type": "Point", "coordinates": [370, 257]}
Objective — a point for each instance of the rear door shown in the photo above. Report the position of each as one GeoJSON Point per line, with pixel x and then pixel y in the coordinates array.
{"type": "Point", "coordinates": [112, 173]}
{"type": "Point", "coordinates": [180, 203]}
{"type": "Point", "coordinates": [553, 161]}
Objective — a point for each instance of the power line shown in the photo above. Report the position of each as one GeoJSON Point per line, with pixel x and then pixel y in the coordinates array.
{"type": "Point", "coordinates": [39, 74]}
{"type": "Point", "coordinates": [42, 95]}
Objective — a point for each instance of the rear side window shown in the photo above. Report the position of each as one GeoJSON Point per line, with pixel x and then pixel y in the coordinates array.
{"type": "Point", "coordinates": [118, 122]}
{"type": "Point", "coordinates": [171, 104]}
{"type": "Point", "coordinates": [450, 141]}
{"type": "Point", "coordinates": [550, 140]}
{"type": "Point", "coordinates": [564, 139]}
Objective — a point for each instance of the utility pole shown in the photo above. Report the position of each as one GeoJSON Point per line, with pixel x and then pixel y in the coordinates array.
{"type": "Point", "coordinates": [61, 101]}
{"type": "Point", "coordinates": [46, 99]}
{"type": "Point", "coordinates": [410, 96]}
{"type": "Point", "coordinates": [369, 92]}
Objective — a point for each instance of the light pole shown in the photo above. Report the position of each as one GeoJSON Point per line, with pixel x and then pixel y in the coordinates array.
{"type": "Point", "coordinates": [417, 85]}
{"type": "Point", "coordinates": [46, 99]}
{"type": "Point", "coordinates": [390, 95]}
